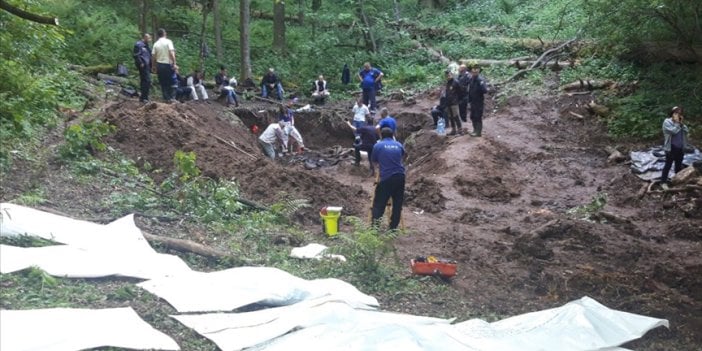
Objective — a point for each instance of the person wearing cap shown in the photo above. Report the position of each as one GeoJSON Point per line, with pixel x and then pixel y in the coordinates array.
{"type": "Point", "coordinates": [387, 155]}
{"type": "Point", "coordinates": [270, 82]}
{"type": "Point", "coordinates": [142, 61]}
{"type": "Point", "coordinates": [369, 77]}
{"type": "Point", "coordinates": [272, 134]}
{"type": "Point", "coordinates": [477, 88]}
{"type": "Point", "coordinates": [453, 93]}
{"type": "Point", "coordinates": [674, 142]}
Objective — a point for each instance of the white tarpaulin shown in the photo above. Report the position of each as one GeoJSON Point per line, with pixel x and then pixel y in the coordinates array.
{"type": "Point", "coordinates": [237, 287]}
{"type": "Point", "coordinates": [91, 250]}
{"type": "Point", "coordinates": [65, 329]}
{"type": "Point", "coordinates": [328, 324]}
{"type": "Point", "coordinates": [322, 314]}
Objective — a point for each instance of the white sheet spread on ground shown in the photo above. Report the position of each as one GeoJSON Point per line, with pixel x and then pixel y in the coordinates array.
{"type": "Point", "coordinates": [237, 287]}
{"type": "Point", "coordinates": [322, 314]}
{"type": "Point", "coordinates": [90, 251]}
{"type": "Point", "coordinates": [64, 329]}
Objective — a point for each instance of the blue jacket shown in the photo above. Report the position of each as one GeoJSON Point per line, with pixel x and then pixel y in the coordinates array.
{"type": "Point", "coordinates": [142, 55]}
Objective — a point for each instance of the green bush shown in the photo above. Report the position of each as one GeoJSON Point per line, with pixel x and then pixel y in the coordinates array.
{"type": "Point", "coordinates": [85, 139]}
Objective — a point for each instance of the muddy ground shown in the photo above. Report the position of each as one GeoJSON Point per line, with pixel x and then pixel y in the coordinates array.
{"type": "Point", "coordinates": [498, 205]}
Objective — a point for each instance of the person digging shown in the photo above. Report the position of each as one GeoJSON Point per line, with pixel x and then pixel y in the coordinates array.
{"type": "Point", "coordinates": [366, 138]}
{"type": "Point", "coordinates": [387, 155]}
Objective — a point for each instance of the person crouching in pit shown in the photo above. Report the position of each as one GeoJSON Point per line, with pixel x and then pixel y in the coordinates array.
{"type": "Point", "coordinates": [269, 137]}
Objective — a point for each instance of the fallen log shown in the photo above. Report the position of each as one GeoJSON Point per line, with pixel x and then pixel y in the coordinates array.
{"type": "Point", "coordinates": [93, 70]}
{"type": "Point", "coordinates": [541, 61]}
{"type": "Point", "coordinates": [588, 84]}
{"type": "Point", "coordinates": [520, 63]}
{"type": "Point", "coordinates": [598, 110]}
{"type": "Point", "coordinates": [186, 246]}
{"type": "Point", "coordinates": [120, 80]}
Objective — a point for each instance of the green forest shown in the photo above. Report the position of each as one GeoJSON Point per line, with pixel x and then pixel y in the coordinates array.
{"type": "Point", "coordinates": [541, 210]}
{"type": "Point", "coordinates": [654, 44]}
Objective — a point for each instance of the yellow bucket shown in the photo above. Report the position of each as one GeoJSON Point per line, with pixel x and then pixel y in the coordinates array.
{"type": "Point", "coordinates": [330, 222]}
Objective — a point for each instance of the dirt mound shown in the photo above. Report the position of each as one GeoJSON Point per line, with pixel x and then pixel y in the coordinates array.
{"type": "Point", "coordinates": [425, 194]}
{"type": "Point", "coordinates": [492, 189]}
{"type": "Point", "coordinates": [225, 149]}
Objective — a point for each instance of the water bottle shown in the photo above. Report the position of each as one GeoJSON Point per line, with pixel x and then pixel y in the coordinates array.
{"type": "Point", "coordinates": [441, 127]}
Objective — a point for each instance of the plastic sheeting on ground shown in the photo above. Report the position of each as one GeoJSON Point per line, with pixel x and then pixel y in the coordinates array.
{"type": "Point", "coordinates": [64, 329]}
{"type": "Point", "coordinates": [238, 287]}
{"type": "Point", "coordinates": [328, 324]}
{"type": "Point", "coordinates": [648, 164]}
{"type": "Point", "coordinates": [314, 251]}
{"type": "Point", "coordinates": [91, 250]}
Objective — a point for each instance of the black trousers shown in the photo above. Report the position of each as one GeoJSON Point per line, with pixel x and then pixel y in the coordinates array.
{"type": "Point", "coordinates": [393, 187]}
{"type": "Point", "coordinates": [675, 155]}
{"type": "Point", "coordinates": [476, 116]}
{"type": "Point", "coordinates": [165, 80]}
{"type": "Point", "coordinates": [145, 82]}
{"type": "Point", "coordinates": [357, 153]}
{"type": "Point", "coordinates": [463, 109]}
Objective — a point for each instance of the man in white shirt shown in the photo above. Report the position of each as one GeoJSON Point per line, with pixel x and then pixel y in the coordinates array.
{"type": "Point", "coordinates": [360, 112]}
{"type": "Point", "coordinates": [163, 54]}
{"type": "Point", "coordinates": [267, 140]}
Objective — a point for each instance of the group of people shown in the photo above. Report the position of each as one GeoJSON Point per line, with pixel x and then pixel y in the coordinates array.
{"type": "Point", "coordinates": [468, 88]}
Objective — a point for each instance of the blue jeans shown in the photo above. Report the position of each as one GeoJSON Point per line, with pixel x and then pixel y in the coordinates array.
{"type": "Point", "coordinates": [278, 88]}
{"type": "Point", "coordinates": [165, 79]}
{"type": "Point", "coordinates": [231, 96]}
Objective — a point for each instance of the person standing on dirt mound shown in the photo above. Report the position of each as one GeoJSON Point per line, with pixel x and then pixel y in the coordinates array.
{"type": "Point", "coordinates": [464, 81]}
{"type": "Point", "coordinates": [369, 77]}
{"type": "Point", "coordinates": [142, 60]}
{"type": "Point", "coordinates": [387, 155]}
{"type": "Point", "coordinates": [366, 138]}
{"type": "Point", "coordinates": [269, 137]}
{"type": "Point", "coordinates": [476, 97]}
{"type": "Point", "coordinates": [675, 141]}
{"type": "Point", "coordinates": [163, 53]}
{"type": "Point", "coordinates": [453, 92]}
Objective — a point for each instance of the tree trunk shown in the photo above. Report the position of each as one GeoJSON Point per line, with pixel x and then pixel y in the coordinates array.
{"type": "Point", "coordinates": [142, 17]}
{"type": "Point", "coordinates": [205, 11]}
{"type": "Point", "coordinates": [217, 30]}
{"type": "Point", "coordinates": [316, 5]}
{"type": "Point", "coordinates": [244, 33]}
{"type": "Point", "coordinates": [520, 64]}
{"type": "Point", "coordinates": [279, 26]}
{"type": "Point", "coordinates": [368, 30]}
{"type": "Point", "coordinates": [301, 11]}
{"type": "Point", "coordinates": [396, 9]}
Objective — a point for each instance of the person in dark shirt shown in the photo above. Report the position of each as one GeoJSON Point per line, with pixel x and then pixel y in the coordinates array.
{"type": "Point", "coordinates": [142, 61]}
{"type": "Point", "coordinates": [369, 77]}
{"type": "Point", "coordinates": [366, 137]}
{"type": "Point", "coordinates": [387, 155]}
{"type": "Point", "coordinates": [180, 86]}
{"type": "Point", "coordinates": [477, 88]}
{"type": "Point", "coordinates": [464, 81]}
{"type": "Point", "coordinates": [439, 111]}
{"type": "Point", "coordinates": [270, 82]}
{"type": "Point", "coordinates": [225, 86]}
{"type": "Point", "coordinates": [453, 92]}
{"type": "Point", "coordinates": [674, 142]}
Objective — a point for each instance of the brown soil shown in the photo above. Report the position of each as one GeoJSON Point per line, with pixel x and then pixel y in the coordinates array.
{"type": "Point", "coordinates": [498, 205]}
